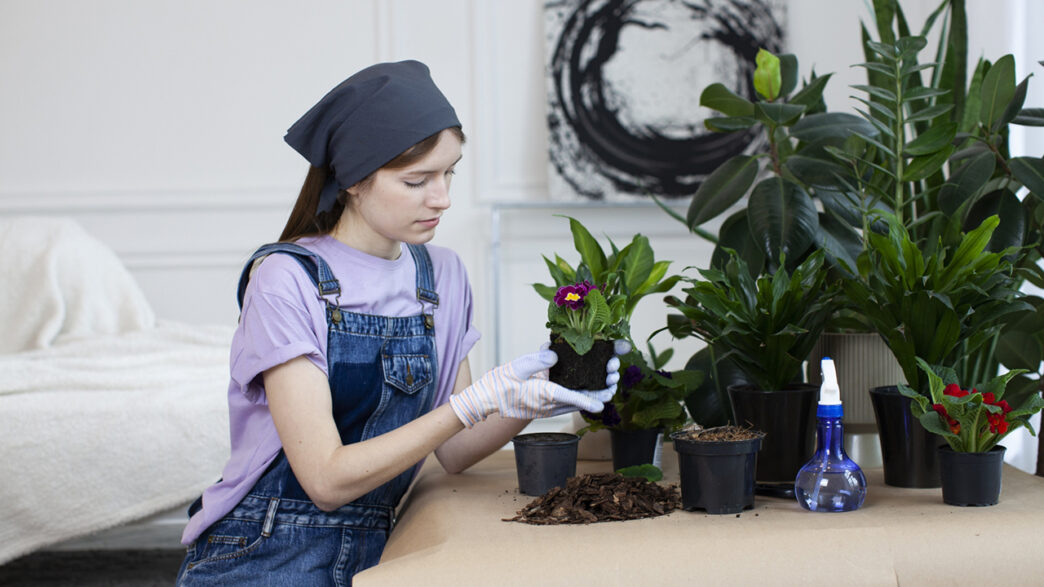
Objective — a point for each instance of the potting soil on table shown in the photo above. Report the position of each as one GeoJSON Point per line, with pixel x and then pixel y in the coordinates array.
{"type": "Point", "coordinates": [601, 497]}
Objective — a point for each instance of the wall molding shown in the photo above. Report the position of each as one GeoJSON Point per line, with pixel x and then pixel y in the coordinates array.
{"type": "Point", "coordinates": [50, 201]}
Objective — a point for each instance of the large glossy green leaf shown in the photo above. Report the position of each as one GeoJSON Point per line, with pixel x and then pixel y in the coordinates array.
{"type": "Point", "coordinates": [1014, 106]}
{"type": "Point", "coordinates": [729, 123]}
{"type": "Point", "coordinates": [966, 182]}
{"type": "Point", "coordinates": [817, 172]}
{"type": "Point", "coordinates": [839, 241]}
{"type": "Point", "coordinates": [1030, 172]}
{"type": "Point", "coordinates": [717, 97]}
{"type": "Point", "coordinates": [722, 188]}
{"type": "Point", "coordinates": [1011, 232]}
{"type": "Point", "coordinates": [783, 218]}
{"type": "Point", "coordinates": [709, 405]}
{"type": "Point", "coordinates": [788, 73]}
{"type": "Point", "coordinates": [825, 125]}
{"type": "Point", "coordinates": [777, 114]}
{"type": "Point", "coordinates": [735, 234]}
{"type": "Point", "coordinates": [1019, 350]}
{"type": "Point", "coordinates": [1030, 117]}
{"type": "Point", "coordinates": [998, 88]}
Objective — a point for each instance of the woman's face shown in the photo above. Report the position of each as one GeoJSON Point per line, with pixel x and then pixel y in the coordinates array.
{"type": "Point", "coordinates": [400, 205]}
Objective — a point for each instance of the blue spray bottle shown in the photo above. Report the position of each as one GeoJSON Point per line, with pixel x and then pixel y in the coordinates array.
{"type": "Point", "coordinates": [830, 482]}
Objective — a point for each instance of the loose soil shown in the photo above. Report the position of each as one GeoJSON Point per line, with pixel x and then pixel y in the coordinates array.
{"type": "Point", "coordinates": [718, 434]}
{"type": "Point", "coordinates": [600, 497]}
{"type": "Point", "coordinates": [581, 372]}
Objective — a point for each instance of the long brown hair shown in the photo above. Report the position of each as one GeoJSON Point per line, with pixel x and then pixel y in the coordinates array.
{"type": "Point", "coordinates": [303, 219]}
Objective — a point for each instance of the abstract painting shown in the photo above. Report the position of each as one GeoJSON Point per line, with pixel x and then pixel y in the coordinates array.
{"type": "Point", "coordinates": [624, 79]}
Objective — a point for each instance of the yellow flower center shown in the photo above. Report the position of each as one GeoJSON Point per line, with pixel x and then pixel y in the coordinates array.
{"type": "Point", "coordinates": [572, 297]}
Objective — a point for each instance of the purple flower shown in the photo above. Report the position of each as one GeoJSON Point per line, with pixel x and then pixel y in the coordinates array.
{"type": "Point", "coordinates": [572, 296]}
{"type": "Point", "coordinates": [609, 416]}
{"type": "Point", "coordinates": [631, 376]}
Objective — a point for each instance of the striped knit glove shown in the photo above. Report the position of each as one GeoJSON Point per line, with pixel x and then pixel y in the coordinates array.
{"type": "Point", "coordinates": [520, 389]}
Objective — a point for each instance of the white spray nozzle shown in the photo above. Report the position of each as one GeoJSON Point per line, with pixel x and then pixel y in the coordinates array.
{"type": "Point", "coordinates": [829, 391]}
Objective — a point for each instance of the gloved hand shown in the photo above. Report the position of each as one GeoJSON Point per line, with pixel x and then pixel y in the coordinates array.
{"type": "Point", "coordinates": [520, 389]}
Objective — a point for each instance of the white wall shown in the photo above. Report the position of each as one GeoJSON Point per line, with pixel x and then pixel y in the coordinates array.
{"type": "Point", "coordinates": [159, 124]}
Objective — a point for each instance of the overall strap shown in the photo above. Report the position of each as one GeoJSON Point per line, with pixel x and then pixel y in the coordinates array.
{"type": "Point", "coordinates": [314, 265]}
{"type": "Point", "coordinates": [425, 275]}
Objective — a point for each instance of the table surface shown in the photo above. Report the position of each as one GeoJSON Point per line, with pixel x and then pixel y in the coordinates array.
{"type": "Point", "coordinates": [451, 532]}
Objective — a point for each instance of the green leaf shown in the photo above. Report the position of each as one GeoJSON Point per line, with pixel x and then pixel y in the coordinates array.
{"type": "Point", "coordinates": [729, 124]}
{"type": "Point", "coordinates": [580, 341]}
{"type": "Point", "coordinates": [788, 73]}
{"type": "Point", "coordinates": [921, 167]}
{"type": "Point", "coordinates": [783, 218]}
{"type": "Point", "coordinates": [1011, 231]}
{"type": "Point", "coordinates": [591, 253]}
{"type": "Point", "coordinates": [1014, 106]}
{"type": "Point", "coordinates": [828, 125]}
{"type": "Point", "coordinates": [649, 472]}
{"type": "Point", "coordinates": [966, 182]}
{"type": "Point", "coordinates": [812, 93]}
{"type": "Point", "coordinates": [935, 139]}
{"type": "Point", "coordinates": [777, 114]}
{"type": "Point", "coordinates": [767, 77]}
{"type": "Point", "coordinates": [721, 99]}
{"type": "Point", "coordinates": [1030, 117]}
{"type": "Point", "coordinates": [1019, 350]}
{"type": "Point", "coordinates": [1030, 172]}
{"type": "Point", "coordinates": [637, 265]}
{"type": "Point", "coordinates": [998, 88]}
{"type": "Point", "coordinates": [929, 112]}
{"type": "Point", "coordinates": [722, 188]}
{"type": "Point", "coordinates": [735, 234]}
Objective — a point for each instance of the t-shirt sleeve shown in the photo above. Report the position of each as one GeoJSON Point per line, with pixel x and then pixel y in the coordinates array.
{"type": "Point", "coordinates": [282, 318]}
{"type": "Point", "coordinates": [463, 334]}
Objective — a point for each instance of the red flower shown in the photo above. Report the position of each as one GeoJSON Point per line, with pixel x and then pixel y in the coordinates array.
{"type": "Point", "coordinates": [1004, 405]}
{"type": "Point", "coordinates": [988, 398]}
{"type": "Point", "coordinates": [955, 390]}
{"type": "Point", "coordinates": [998, 425]}
{"type": "Point", "coordinates": [954, 425]}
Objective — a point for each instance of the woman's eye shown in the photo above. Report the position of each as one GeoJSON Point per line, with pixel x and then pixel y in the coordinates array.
{"type": "Point", "coordinates": [418, 184]}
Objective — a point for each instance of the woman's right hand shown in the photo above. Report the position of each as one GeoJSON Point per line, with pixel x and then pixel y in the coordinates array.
{"type": "Point", "coordinates": [520, 389]}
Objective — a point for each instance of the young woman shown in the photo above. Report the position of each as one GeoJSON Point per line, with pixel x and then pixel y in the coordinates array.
{"type": "Point", "coordinates": [349, 365]}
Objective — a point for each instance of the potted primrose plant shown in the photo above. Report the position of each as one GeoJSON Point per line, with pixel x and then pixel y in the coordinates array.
{"type": "Point", "coordinates": [972, 422]}
{"type": "Point", "coordinates": [766, 326]}
{"type": "Point", "coordinates": [590, 305]}
{"type": "Point", "coordinates": [648, 404]}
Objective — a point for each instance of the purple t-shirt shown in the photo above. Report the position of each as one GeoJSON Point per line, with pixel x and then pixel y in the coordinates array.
{"type": "Point", "coordinates": [283, 318]}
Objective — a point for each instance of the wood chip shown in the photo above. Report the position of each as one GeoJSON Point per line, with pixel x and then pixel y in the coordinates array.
{"type": "Point", "coordinates": [600, 497]}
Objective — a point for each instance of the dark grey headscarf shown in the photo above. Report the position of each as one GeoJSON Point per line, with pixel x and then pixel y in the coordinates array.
{"type": "Point", "coordinates": [368, 120]}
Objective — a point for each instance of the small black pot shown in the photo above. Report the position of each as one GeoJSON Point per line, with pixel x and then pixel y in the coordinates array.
{"type": "Point", "coordinates": [635, 447]}
{"type": "Point", "coordinates": [717, 477]}
{"type": "Point", "coordinates": [788, 419]}
{"type": "Point", "coordinates": [581, 372]}
{"type": "Point", "coordinates": [544, 460]}
{"type": "Point", "coordinates": [971, 478]}
{"type": "Point", "coordinates": [908, 451]}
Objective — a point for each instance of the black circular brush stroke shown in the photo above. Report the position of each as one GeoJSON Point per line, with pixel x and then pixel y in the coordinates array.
{"type": "Point", "coordinates": [643, 160]}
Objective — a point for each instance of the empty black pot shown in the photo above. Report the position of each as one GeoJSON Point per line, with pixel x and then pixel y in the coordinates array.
{"type": "Point", "coordinates": [544, 460]}
{"type": "Point", "coordinates": [788, 419]}
{"type": "Point", "coordinates": [908, 451]}
{"type": "Point", "coordinates": [635, 447]}
{"type": "Point", "coordinates": [971, 478]}
{"type": "Point", "coordinates": [717, 477]}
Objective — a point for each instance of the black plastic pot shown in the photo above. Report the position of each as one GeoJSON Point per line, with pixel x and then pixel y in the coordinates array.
{"type": "Point", "coordinates": [583, 372]}
{"type": "Point", "coordinates": [717, 477]}
{"type": "Point", "coordinates": [971, 478]}
{"type": "Point", "coordinates": [788, 419]}
{"type": "Point", "coordinates": [544, 460]}
{"type": "Point", "coordinates": [908, 451]}
{"type": "Point", "coordinates": [635, 447]}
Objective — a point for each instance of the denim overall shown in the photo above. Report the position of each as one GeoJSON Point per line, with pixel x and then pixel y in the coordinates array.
{"type": "Point", "coordinates": [382, 374]}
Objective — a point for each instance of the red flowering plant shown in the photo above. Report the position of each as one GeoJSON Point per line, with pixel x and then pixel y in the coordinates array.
{"type": "Point", "coordinates": [970, 420]}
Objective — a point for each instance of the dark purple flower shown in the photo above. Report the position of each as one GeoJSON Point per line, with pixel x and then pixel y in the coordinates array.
{"type": "Point", "coordinates": [631, 376]}
{"type": "Point", "coordinates": [572, 296]}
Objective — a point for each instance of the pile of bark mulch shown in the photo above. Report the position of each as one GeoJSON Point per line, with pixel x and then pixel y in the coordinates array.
{"type": "Point", "coordinates": [601, 497]}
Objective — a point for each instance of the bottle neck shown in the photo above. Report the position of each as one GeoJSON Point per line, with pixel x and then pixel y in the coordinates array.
{"type": "Point", "coordinates": [829, 436]}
